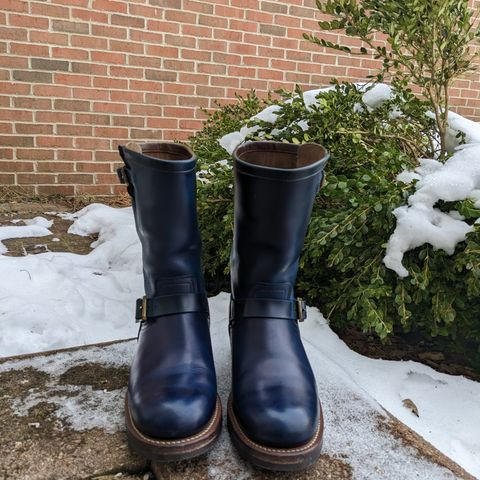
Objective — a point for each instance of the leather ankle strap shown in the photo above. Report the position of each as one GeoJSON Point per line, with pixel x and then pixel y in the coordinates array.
{"type": "Point", "coordinates": [170, 304]}
{"type": "Point", "coordinates": [268, 308]}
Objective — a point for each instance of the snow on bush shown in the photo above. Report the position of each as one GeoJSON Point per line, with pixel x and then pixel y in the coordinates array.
{"type": "Point", "coordinates": [419, 222]}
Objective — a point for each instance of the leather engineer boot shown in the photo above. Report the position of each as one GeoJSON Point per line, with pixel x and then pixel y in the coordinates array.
{"type": "Point", "coordinates": [274, 413]}
{"type": "Point", "coordinates": [172, 408]}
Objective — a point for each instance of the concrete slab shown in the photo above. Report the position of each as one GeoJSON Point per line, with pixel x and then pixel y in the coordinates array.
{"type": "Point", "coordinates": [61, 416]}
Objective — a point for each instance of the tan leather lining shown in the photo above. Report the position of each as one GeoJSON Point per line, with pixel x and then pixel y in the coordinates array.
{"type": "Point", "coordinates": [166, 151]}
{"type": "Point", "coordinates": [270, 154]}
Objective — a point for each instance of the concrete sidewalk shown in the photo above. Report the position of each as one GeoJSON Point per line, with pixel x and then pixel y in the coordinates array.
{"type": "Point", "coordinates": [61, 417]}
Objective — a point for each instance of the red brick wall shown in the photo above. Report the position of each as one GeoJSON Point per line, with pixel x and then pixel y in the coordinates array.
{"type": "Point", "coordinates": [78, 77]}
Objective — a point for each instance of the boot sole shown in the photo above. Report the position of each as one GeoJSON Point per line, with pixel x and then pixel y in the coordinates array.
{"type": "Point", "coordinates": [270, 458]}
{"type": "Point", "coordinates": [159, 450]}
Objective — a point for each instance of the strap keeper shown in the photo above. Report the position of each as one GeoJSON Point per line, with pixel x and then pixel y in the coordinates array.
{"type": "Point", "coordinates": [122, 176]}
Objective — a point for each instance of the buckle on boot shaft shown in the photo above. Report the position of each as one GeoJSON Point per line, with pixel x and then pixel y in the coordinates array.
{"type": "Point", "coordinates": [141, 310]}
{"type": "Point", "coordinates": [169, 305]}
{"type": "Point", "coordinates": [301, 309]}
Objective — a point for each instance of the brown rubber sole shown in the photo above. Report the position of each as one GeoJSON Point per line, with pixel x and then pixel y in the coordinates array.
{"type": "Point", "coordinates": [270, 458]}
{"type": "Point", "coordinates": [160, 450]}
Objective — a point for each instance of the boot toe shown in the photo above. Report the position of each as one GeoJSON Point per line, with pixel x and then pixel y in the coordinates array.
{"type": "Point", "coordinates": [178, 414]}
{"type": "Point", "coordinates": [280, 426]}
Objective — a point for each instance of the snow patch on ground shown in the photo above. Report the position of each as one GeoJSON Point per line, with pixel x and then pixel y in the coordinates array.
{"type": "Point", "coordinates": [89, 296]}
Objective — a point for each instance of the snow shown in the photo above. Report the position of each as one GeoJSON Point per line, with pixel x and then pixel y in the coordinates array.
{"type": "Point", "coordinates": [420, 222]}
{"type": "Point", "coordinates": [64, 299]}
{"type": "Point", "coordinates": [89, 296]}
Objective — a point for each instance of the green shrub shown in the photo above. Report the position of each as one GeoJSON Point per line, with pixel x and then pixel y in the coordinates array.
{"type": "Point", "coordinates": [341, 268]}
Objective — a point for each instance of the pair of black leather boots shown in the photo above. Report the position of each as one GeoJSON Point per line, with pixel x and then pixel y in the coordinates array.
{"type": "Point", "coordinates": [173, 411]}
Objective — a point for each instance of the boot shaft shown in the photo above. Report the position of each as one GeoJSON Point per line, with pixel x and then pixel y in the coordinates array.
{"type": "Point", "coordinates": [275, 187]}
{"type": "Point", "coordinates": [162, 183]}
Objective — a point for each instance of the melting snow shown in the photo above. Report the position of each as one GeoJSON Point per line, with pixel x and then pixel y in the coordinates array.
{"type": "Point", "coordinates": [420, 222]}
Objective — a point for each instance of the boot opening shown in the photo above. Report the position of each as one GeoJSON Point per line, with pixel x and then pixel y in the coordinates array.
{"type": "Point", "coordinates": [280, 155]}
{"type": "Point", "coordinates": [166, 151]}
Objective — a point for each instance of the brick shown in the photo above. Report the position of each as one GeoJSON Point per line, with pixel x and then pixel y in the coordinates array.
{"type": "Point", "coordinates": [196, 31]}
{"type": "Point", "coordinates": [89, 68]}
{"type": "Point", "coordinates": [273, 30]}
{"type": "Point", "coordinates": [213, 21]}
{"type": "Point", "coordinates": [70, 27]}
{"type": "Point", "coordinates": [74, 155]}
{"type": "Point", "coordinates": [130, 47]}
{"type": "Point", "coordinates": [128, 121]}
{"type": "Point", "coordinates": [127, 21]}
{"type": "Point", "coordinates": [6, 153]}
{"type": "Point", "coordinates": [94, 167]}
{"type": "Point", "coordinates": [126, 96]}
{"type": "Point", "coordinates": [90, 15]}
{"type": "Point", "coordinates": [47, 64]}
{"type": "Point", "coordinates": [16, 141]}
{"type": "Point", "coordinates": [179, 65]}
{"type": "Point", "coordinates": [93, 190]}
{"type": "Point", "coordinates": [180, 41]}
{"type": "Point", "coordinates": [16, 115]}
{"type": "Point", "coordinates": [14, 5]}
{"type": "Point", "coordinates": [161, 75]}
{"type": "Point", "coordinates": [167, 3]}
{"type": "Point", "coordinates": [7, 178]}
{"type": "Point", "coordinates": [6, 128]}
{"type": "Point", "coordinates": [72, 105]}
{"type": "Point", "coordinates": [28, 49]}
{"type": "Point", "coordinates": [163, 26]}
{"type": "Point", "coordinates": [47, 10]}
{"type": "Point", "coordinates": [33, 129]}
{"type": "Point", "coordinates": [35, 178]}
{"type": "Point", "coordinates": [93, 42]}
{"type": "Point", "coordinates": [9, 166]}
{"type": "Point", "coordinates": [72, 79]}
{"type": "Point", "coordinates": [47, 37]}
{"type": "Point", "coordinates": [56, 190]}
{"type": "Point", "coordinates": [54, 142]}
{"type": "Point", "coordinates": [110, 6]}
{"type": "Point", "coordinates": [202, 7]}
{"type": "Point", "coordinates": [196, 55]}
{"type": "Point", "coordinates": [92, 119]}
{"type": "Point", "coordinates": [91, 143]}
{"type": "Point", "coordinates": [108, 82]}
{"type": "Point", "coordinates": [32, 103]}
{"type": "Point", "coordinates": [40, 23]}
{"type": "Point", "coordinates": [109, 107]}
{"type": "Point", "coordinates": [127, 72]}
{"type": "Point", "coordinates": [273, 7]}
{"type": "Point", "coordinates": [53, 117]}
{"type": "Point", "coordinates": [52, 91]}
{"type": "Point", "coordinates": [31, 76]}
{"type": "Point", "coordinates": [73, 130]}
{"type": "Point", "coordinates": [8, 33]}
{"type": "Point", "coordinates": [56, 166]}
{"type": "Point", "coordinates": [144, 61]}
{"type": "Point", "coordinates": [106, 31]}
{"type": "Point", "coordinates": [34, 154]}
